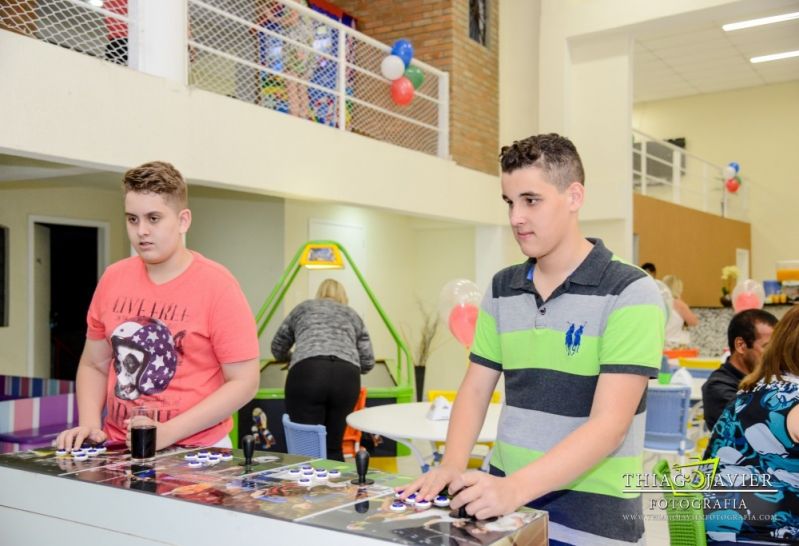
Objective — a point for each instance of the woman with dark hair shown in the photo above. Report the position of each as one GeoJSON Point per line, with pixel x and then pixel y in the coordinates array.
{"type": "Point", "coordinates": [756, 440]}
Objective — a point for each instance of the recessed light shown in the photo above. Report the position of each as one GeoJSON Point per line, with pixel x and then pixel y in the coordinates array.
{"type": "Point", "coordinates": [775, 57]}
{"type": "Point", "coordinates": [761, 21]}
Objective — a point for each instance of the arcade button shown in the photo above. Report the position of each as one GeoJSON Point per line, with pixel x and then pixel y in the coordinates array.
{"type": "Point", "coordinates": [411, 499]}
{"type": "Point", "coordinates": [227, 457]}
{"type": "Point", "coordinates": [398, 506]}
{"type": "Point", "coordinates": [195, 464]}
{"type": "Point", "coordinates": [423, 504]}
{"type": "Point", "coordinates": [441, 501]}
{"type": "Point", "coordinates": [61, 453]}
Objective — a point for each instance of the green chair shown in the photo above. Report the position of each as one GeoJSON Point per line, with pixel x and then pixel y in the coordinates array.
{"type": "Point", "coordinates": [684, 512]}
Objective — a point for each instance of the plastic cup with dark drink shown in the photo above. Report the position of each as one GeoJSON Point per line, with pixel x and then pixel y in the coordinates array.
{"type": "Point", "coordinates": [142, 434]}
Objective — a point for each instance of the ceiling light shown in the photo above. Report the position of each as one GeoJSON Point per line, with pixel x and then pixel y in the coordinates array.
{"type": "Point", "coordinates": [774, 57]}
{"type": "Point", "coordinates": [762, 21]}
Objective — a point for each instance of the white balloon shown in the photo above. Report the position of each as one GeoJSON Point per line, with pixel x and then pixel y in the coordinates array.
{"type": "Point", "coordinates": [458, 292]}
{"type": "Point", "coordinates": [729, 172]}
{"type": "Point", "coordinates": [392, 67]}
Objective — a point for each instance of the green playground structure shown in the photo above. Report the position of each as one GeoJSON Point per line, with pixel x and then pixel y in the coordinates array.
{"type": "Point", "coordinates": [390, 382]}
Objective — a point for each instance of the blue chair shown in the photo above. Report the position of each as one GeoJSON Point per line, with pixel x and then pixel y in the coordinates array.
{"type": "Point", "coordinates": [308, 440]}
{"type": "Point", "coordinates": [668, 410]}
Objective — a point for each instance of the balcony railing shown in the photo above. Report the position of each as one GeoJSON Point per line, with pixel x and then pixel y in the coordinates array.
{"type": "Point", "coordinates": [274, 54]}
{"type": "Point", "coordinates": [665, 171]}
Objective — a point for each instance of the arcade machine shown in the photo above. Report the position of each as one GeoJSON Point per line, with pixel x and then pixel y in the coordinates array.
{"type": "Point", "coordinates": [390, 382]}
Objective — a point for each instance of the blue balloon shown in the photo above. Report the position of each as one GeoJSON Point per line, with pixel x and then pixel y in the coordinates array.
{"type": "Point", "coordinates": [403, 49]}
{"type": "Point", "coordinates": [735, 166]}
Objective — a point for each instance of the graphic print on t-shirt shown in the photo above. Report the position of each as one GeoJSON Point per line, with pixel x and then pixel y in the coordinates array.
{"type": "Point", "coordinates": [145, 357]}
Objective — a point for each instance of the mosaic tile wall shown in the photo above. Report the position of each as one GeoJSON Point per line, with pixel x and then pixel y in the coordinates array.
{"type": "Point", "coordinates": [710, 335]}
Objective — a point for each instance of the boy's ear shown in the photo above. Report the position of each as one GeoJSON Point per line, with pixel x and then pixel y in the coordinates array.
{"type": "Point", "coordinates": [184, 220]}
{"type": "Point", "coordinates": [576, 195]}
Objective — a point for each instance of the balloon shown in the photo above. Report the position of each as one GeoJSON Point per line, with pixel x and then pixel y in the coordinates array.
{"type": "Point", "coordinates": [733, 184]}
{"type": "Point", "coordinates": [748, 294]}
{"type": "Point", "coordinates": [735, 166]}
{"type": "Point", "coordinates": [415, 74]}
{"type": "Point", "coordinates": [403, 49]}
{"type": "Point", "coordinates": [392, 67]}
{"type": "Point", "coordinates": [462, 320]}
{"type": "Point", "coordinates": [402, 91]}
{"type": "Point", "coordinates": [728, 172]}
{"type": "Point", "coordinates": [458, 292]}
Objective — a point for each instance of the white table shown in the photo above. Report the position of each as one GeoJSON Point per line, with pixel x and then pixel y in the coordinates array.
{"type": "Point", "coordinates": [404, 423]}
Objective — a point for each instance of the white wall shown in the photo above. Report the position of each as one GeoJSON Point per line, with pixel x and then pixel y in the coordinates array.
{"type": "Point", "coordinates": [585, 92]}
{"type": "Point", "coordinates": [110, 117]}
{"type": "Point", "coordinates": [243, 232]}
{"type": "Point", "coordinates": [46, 198]}
{"type": "Point", "coordinates": [757, 127]}
{"type": "Point", "coordinates": [518, 69]}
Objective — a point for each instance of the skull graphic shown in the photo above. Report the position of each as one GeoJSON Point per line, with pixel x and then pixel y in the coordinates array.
{"type": "Point", "coordinates": [145, 357]}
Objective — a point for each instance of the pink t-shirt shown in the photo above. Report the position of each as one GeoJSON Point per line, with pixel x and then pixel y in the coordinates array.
{"type": "Point", "coordinates": [170, 340]}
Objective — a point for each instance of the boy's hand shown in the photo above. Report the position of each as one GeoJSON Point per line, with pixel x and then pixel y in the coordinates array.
{"type": "Point", "coordinates": [73, 438]}
{"type": "Point", "coordinates": [484, 495]}
{"type": "Point", "coordinates": [429, 484]}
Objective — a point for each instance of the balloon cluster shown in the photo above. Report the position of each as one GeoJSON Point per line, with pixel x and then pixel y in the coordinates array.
{"type": "Point", "coordinates": [733, 181]}
{"type": "Point", "coordinates": [748, 294]}
{"type": "Point", "coordinates": [405, 79]}
{"type": "Point", "coordinates": [459, 305]}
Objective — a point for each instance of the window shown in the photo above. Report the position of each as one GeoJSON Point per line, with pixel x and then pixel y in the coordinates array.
{"type": "Point", "coordinates": [478, 17]}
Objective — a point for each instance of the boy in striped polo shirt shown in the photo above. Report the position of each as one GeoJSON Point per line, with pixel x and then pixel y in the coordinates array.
{"type": "Point", "coordinates": [577, 333]}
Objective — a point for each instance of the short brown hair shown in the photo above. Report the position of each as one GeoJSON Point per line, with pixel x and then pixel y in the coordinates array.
{"type": "Point", "coordinates": [781, 355]}
{"type": "Point", "coordinates": [554, 154]}
{"type": "Point", "coordinates": [157, 177]}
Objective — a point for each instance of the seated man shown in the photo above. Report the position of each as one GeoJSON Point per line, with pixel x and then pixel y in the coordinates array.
{"type": "Point", "coordinates": [748, 334]}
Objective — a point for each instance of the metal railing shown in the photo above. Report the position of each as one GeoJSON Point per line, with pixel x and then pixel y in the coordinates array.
{"type": "Point", "coordinates": [665, 171]}
{"type": "Point", "coordinates": [272, 53]}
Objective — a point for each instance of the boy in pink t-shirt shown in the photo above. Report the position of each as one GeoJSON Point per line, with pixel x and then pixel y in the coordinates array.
{"type": "Point", "coordinates": [169, 329]}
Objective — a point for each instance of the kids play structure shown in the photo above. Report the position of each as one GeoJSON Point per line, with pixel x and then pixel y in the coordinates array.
{"type": "Point", "coordinates": [390, 382]}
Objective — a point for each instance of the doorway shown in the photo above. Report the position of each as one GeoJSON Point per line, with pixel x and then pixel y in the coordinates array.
{"type": "Point", "coordinates": [67, 258]}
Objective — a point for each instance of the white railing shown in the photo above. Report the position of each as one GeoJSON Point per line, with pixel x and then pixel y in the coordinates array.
{"type": "Point", "coordinates": [272, 53]}
{"type": "Point", "coordinates": [665, 171]}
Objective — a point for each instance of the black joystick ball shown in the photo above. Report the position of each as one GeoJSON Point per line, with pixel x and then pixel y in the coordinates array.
{"type": "Point", "coordinates": [248, 445]}
{"type": "Point", "coordinates": [362, 507]}
{"type": "Point", "coordinates": [362, 467]}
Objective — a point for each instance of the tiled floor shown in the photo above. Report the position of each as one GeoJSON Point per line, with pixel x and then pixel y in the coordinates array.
{"type": "Point", "coordinates": [657, 530]}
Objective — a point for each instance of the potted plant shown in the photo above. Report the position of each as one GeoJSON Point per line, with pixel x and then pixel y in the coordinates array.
{"type": "Point", "coordinates": [424, 348]}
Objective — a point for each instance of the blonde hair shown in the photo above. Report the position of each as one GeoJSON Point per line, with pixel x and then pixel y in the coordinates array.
{"type": "Point", "coordinates": [782, 353]}
{"type": "Point", "coordinates": [332, 290]}
{"type": "Point", "coordinates": [675, 285]}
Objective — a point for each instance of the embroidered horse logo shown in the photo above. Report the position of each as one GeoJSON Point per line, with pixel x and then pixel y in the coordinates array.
{"type": "Point", "coordinates": [573, 338]}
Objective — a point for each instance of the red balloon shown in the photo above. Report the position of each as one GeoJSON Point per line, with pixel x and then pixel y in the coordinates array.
{"type": "Point", "coordinates": [732, 185]}
{"type": "Point", "coordinates": [746, 300]}
{"type": "Point", "coordinates": [462, 320]}
{"type": "Point", "coordinates": [402, 91]}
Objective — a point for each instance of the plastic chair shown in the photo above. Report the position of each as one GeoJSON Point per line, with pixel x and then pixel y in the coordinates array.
{"type": "Point", "coordinates": [668, 411]}
{"type": "Point", "coordinates": [305, 439]}
{"type": "Point", "coordinates": [352, 436]}
{"type": "Point", "coordinates": [476, 460]}
{"type": "Point", "coordinates": [685, 516]}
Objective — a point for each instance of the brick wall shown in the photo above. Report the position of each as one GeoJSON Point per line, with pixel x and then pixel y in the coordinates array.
{"type": "Point", "coordinates": [439, 32]}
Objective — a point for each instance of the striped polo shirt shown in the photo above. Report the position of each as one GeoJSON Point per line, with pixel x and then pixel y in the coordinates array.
{"type": "Point", "coordinates": [606, 317]}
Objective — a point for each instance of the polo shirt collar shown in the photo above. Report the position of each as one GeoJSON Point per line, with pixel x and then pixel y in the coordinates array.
{"type": "Point", "coordinates": [588, 273]}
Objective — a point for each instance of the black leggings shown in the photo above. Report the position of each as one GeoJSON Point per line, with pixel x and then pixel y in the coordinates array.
{"type": "Point", "coordinates": [322, 391]}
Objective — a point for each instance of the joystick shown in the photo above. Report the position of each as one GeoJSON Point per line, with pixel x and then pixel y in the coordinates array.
{"type": "Point", "coordinates": [248, 445]}
{"type": "Point", "coordinates": [362, 467]}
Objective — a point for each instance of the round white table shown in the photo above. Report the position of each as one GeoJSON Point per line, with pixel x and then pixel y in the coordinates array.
{"type": "Point", "coordinates": [404, 423]}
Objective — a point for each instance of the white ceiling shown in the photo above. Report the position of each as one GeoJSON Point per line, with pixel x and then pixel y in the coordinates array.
{"type": "Point", "coordinates": [694, 58]}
